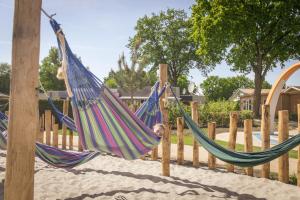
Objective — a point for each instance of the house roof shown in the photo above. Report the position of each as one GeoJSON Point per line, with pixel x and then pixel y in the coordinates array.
{"type": "Point", "coordinates": [249, 92]}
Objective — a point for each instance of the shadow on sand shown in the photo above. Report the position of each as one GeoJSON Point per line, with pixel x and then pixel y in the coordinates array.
{"type": "Point", "coordinates": [156, 179]}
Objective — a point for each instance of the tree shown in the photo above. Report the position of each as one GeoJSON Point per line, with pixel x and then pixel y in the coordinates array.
{"type": "Point", "coordinates": [215, 88]}
{"type": "Point", "coordinates": [48, 71]}
{"type": "Point", "coordinates": [5, 70]}
{"type": "Point", "coordinates": [252, 36]}
{"type": "Point", "coordinates": [165, 38]}
{"type": "Point", "coordinates": [132, 78]}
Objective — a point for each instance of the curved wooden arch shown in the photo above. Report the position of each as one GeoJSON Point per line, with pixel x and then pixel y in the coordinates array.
{"type": "Point", "coordinates": [274, 94]}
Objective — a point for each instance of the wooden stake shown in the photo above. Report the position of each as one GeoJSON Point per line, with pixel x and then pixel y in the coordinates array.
{"type": "Point", "coordinates": [64, 127]}
{"type": "Point", "coordinates": [283, 134]}
{"type": "Point", "coordinates": [248, 147]}
{"type": "Point", "coordinates": [298, 168]}
{"type": "Point", "coordinates": [195, 118]}
{"type": "Point", "coordinates": [48, 126]}
{"type": "Point", "coordinates": [180, 140]}
{"type": "Point", "coordinates": [232, 136]}
{"type": "Point", "coordinates": [23, 103]}
{"type": "Point", "coordinates": [212, 135]}
{"type": "Point", "coordinates": [163, 73]}
{"type": "Point", "coordinates": [265, 137]}
{"type": "Point", "coordinates": [154, 153]}
{"type": "Point", "coordinates": [71, 140]}
{"type": "Point", "coordinates": [39, 133]}
{"type": "Point", "coordinates": [80, 148]}
{"type": "Point", "coordinates": [55, 135]}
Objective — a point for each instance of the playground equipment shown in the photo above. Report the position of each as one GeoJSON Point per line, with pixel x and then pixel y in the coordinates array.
{"type": "Point", "coordinates": [274, 94]}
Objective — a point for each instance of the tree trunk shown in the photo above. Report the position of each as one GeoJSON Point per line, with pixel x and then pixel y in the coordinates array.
{"type": "Point", "coordinates": [258, 79]}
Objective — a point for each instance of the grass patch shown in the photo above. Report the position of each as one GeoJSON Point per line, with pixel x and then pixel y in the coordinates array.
{"type": "Point", "coordinates": [188, 140]}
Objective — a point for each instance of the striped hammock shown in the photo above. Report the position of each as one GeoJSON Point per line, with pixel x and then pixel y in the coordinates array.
{"type": "Point", "coordinates": [103, 122]}
{"type": "Point", "coordinates": [51, 155]}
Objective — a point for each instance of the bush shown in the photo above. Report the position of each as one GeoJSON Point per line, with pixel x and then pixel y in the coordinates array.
{"type": "Point", "coordinates": [174, 112]}
{"type": "Point", "coordinates": [246, 114]}
{"type": "Point", "coordinates": [218, 112]}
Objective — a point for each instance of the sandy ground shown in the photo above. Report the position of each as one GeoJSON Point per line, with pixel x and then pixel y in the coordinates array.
{"type": "Point", "coordinates": [108, 177]}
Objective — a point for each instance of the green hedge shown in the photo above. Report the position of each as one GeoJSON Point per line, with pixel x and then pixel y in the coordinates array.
{"type": "Point", "coordinates": [217, 111]}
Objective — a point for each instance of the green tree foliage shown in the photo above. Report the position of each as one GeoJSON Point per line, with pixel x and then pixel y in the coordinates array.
{"type": "Point", "coordinates": [133, 77]}
{"type": "Point", "coordinates": [216, 88]}
{"type": "Point", "coordinates": [5, 69]}
{"type": "Point", "coordinates": [165, 38]}
{"type": "Point", "coordinates": [48, 71]}
{"type": "Point", "coordinates": [252, 36]}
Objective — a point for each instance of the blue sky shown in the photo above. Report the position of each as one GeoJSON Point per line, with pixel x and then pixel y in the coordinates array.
{"type": "Point", "coordinates": [98, 31]}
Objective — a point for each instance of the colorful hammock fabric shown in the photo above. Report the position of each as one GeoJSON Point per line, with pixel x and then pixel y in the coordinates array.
{"type": "Point", "coordinates": [242, 159]}
{"type": "Point", "coordinates": [149, 112]}
{"type": "Point", "coordinates": [103, 122]}
{"type": "Point", "coordinates": [54, 156]}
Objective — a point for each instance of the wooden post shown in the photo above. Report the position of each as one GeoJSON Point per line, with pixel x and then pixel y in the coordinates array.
{"type": "Point", "coordinates": [23, 103]}
{"type": "Point", "coordinates": [55, 135]}
{"type": "Point", "coordinates": [71, 140]}
{"type": "Point", "coordinates": [195, 118]}
{"type": "Point", "coordinates": [212, 135]}
{"type": "Point", "coordinates": [154, 153]}
{"type": "Point", "coordinates": [52, 121]}
{"type": "Point", "coordinates": [232, 136]}
{"type": "Point", "coordinates": [80, 148]}
{"type": "Point", "coordinates": [48, 126]}
{"type": "Point", "coordinates": [163, 76]}
{"type": "Point", "coordinates": [298, 168]}
{"type": "Point", "coordinates": [265, 137]}
{"type": "Point", "coordinates": [248, 147]}
{"type": "Point", "coordinates": [43, 122]}
{"type": "Point", "coordinates": [180, 140]}
{"type": "Point", "coordinates": [39, 133]}
{"type": "Point", "coordinates": [283, 134]}
{"type": "Point", "coordinates": [64, 127]}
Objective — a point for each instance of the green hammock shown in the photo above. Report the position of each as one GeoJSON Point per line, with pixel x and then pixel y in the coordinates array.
{"type": "Point", "coordinates": [242, 159]}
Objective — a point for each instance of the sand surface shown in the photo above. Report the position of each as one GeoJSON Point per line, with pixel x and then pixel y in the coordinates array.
{"type": "Point", "coordinates": [108, 177]}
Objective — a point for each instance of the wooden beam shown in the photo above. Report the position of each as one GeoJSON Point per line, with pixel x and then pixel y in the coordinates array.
{"type": "Point", "coordinates": [248, 142]}
{"type": "Point", "coordinates": [232, 136]}
{"type": "Point", "coordinates": [211, 126]}
{"type": "Point", "coordinates": [265, 137]}
{"type": "Point", "coordinates": [283, 134]}
{"type": "Point", "coordinates": [23, 106]}
{"type": "Point", "coordinates": [55, 135]}
{"type": "Point", "coordinates": [64, 127]}
{"type": "Point", "coordinates": [163, 78]}
{"type": "Point", "coordinates": [180, 141]}
{"type": "Point", "coordinates": [48, 126]}
{"type": "Point", "coordinates": [195, 117]}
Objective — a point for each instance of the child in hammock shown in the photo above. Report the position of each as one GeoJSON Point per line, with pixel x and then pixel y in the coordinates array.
{"type": "Point", "coordinates": [159, 129]}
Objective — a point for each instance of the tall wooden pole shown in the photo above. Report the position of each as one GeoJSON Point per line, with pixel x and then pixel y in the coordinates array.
{"type": "Point", "coordinates": [298, 168]}
{"type": "Point", "coordinates": [23, 106]}
{"type": "Point", "coordinates": [64, 127]}
{"type": "Point", "coordinates": [232, 136]}
{"type": "Point", "coordinates": [195, 118]}
{"type": "Point", "coordinates": [180, 141]}
{"type": "Point", "coordinates": [248, 142]}
{"type": "Point", "coordinates": [265, 137]}
{"type": "Point", "coordinates": [283, 134]}
{"type": "Point", "coordinates": [163, 76]}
